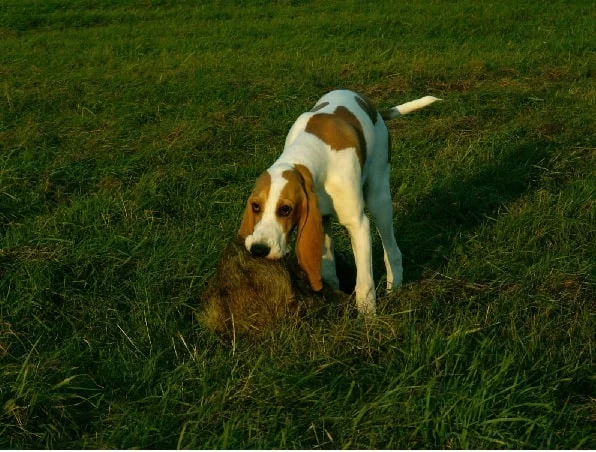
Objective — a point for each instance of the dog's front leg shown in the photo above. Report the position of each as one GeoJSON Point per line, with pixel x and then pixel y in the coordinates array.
{"type": "Point", "coordinates": [361, 245]}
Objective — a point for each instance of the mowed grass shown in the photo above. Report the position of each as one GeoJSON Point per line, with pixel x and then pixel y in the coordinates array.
{"type": "Point", "coordinates": [131, 133]}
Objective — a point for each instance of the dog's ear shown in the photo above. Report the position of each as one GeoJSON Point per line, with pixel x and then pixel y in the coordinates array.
{"type": "Point", "coordinates": [247, 225]}
{"type": "Point", "coordinates": [309, 242]}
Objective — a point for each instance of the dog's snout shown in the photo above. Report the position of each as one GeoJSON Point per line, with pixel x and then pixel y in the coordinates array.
{"type": "Point", "coordinates": [259, 250]}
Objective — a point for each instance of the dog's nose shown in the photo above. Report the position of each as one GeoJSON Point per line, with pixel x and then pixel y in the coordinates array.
{"type": "Point", "coordinates": [259, 250]}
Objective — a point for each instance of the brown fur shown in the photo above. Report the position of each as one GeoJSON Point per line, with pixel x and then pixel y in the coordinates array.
{"type": "Point", "coordinates": [319, 106]}
{"type": "Point", "coordinates": [366, 104]}
{"type": "Point", "coordinates": [309, 241]}
{"type": "Point", "coordinates": [340, 130]}
{"type": "Point", "coordinates": [349, 117]}
{"type": "Point", "coordinates": [260, 195]}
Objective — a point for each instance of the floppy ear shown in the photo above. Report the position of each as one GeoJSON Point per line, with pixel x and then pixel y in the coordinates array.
{"type": "Point", "coordinates": [309, 243]}
{"type": "Point", "coordinates": [247, 224]}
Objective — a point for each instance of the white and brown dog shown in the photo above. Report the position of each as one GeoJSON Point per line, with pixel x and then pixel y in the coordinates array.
{"type": "Point", "coordinates": [335, 162]}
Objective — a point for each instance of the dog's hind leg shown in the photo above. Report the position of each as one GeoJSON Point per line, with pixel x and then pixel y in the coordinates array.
{"type": "Point", "coordinates": [378, 201]}
{"type": "Point", "coordinates": [328, 268]}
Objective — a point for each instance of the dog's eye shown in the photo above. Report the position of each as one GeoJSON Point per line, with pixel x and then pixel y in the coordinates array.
{"type": "Point", "coordinates": [256, 208]}
{"type": "Point", "coordinates": [284, 210]}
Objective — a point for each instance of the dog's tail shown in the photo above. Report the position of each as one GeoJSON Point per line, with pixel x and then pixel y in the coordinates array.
{"type": "Point", "coordinates": [408, 107]}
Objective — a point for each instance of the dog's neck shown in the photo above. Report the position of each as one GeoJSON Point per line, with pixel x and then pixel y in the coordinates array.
{"type": "Point", "coordinates": [306, 150]}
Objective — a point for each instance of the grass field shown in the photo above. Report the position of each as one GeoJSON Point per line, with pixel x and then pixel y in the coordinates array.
{"type": "Point", "coordinates": [131, 133]}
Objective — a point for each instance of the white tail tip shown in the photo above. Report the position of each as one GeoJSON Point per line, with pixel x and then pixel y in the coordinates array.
{"type": "Point", "coordinates": [417, 104]}
{"type": "Point", "coordinates": [408, 107]}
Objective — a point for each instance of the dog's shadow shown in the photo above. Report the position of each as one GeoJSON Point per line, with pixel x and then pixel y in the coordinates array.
{"type": "Point", "coordinates": [454, 207]}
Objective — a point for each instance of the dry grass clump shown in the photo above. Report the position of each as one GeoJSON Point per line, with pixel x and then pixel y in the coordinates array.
{"type": "Point", "coordinates": [247, 294]}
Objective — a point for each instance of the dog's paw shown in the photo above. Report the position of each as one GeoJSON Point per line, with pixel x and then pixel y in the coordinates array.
{"type": "Point", "coordinates": [366, 303]}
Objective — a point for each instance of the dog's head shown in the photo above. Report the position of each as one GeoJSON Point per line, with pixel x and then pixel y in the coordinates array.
{"type": "Point", "coordinates": [282, 200]}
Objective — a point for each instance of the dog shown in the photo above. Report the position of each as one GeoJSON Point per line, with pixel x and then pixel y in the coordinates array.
{"type": "Point", "coordinates": [335, 162]}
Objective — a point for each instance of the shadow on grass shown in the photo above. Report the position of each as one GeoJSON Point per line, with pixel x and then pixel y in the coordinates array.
{"type": "Point", "coordinates": [458, 204]}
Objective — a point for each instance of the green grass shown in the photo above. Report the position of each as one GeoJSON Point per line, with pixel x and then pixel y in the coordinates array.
{"type": "Point", "coordinates": [130, 134]}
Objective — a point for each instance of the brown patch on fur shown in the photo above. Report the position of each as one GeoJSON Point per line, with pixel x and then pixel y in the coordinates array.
{"type": "Point", "coordinates": [299, 194]}
{"type": "Point", "coordinates": [309, 241]}
{"type": "Point", "coordinates": [319, 106]}
{"type": "Point", "coordinates": [368, 107]}
{"type": "Point", "coordinates": [292, 194]}
{"type": "Point", "coordinates": [260, 194]}
{"type": "Point", "coordinates": [340, 130]}
{"type": "Point", "coordinates": [352, 120]}
{"type": "Point", "coordinates": [388, 114]}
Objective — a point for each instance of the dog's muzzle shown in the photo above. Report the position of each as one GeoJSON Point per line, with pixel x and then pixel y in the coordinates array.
{"type": "Point", "coordinates": [259, 250]}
